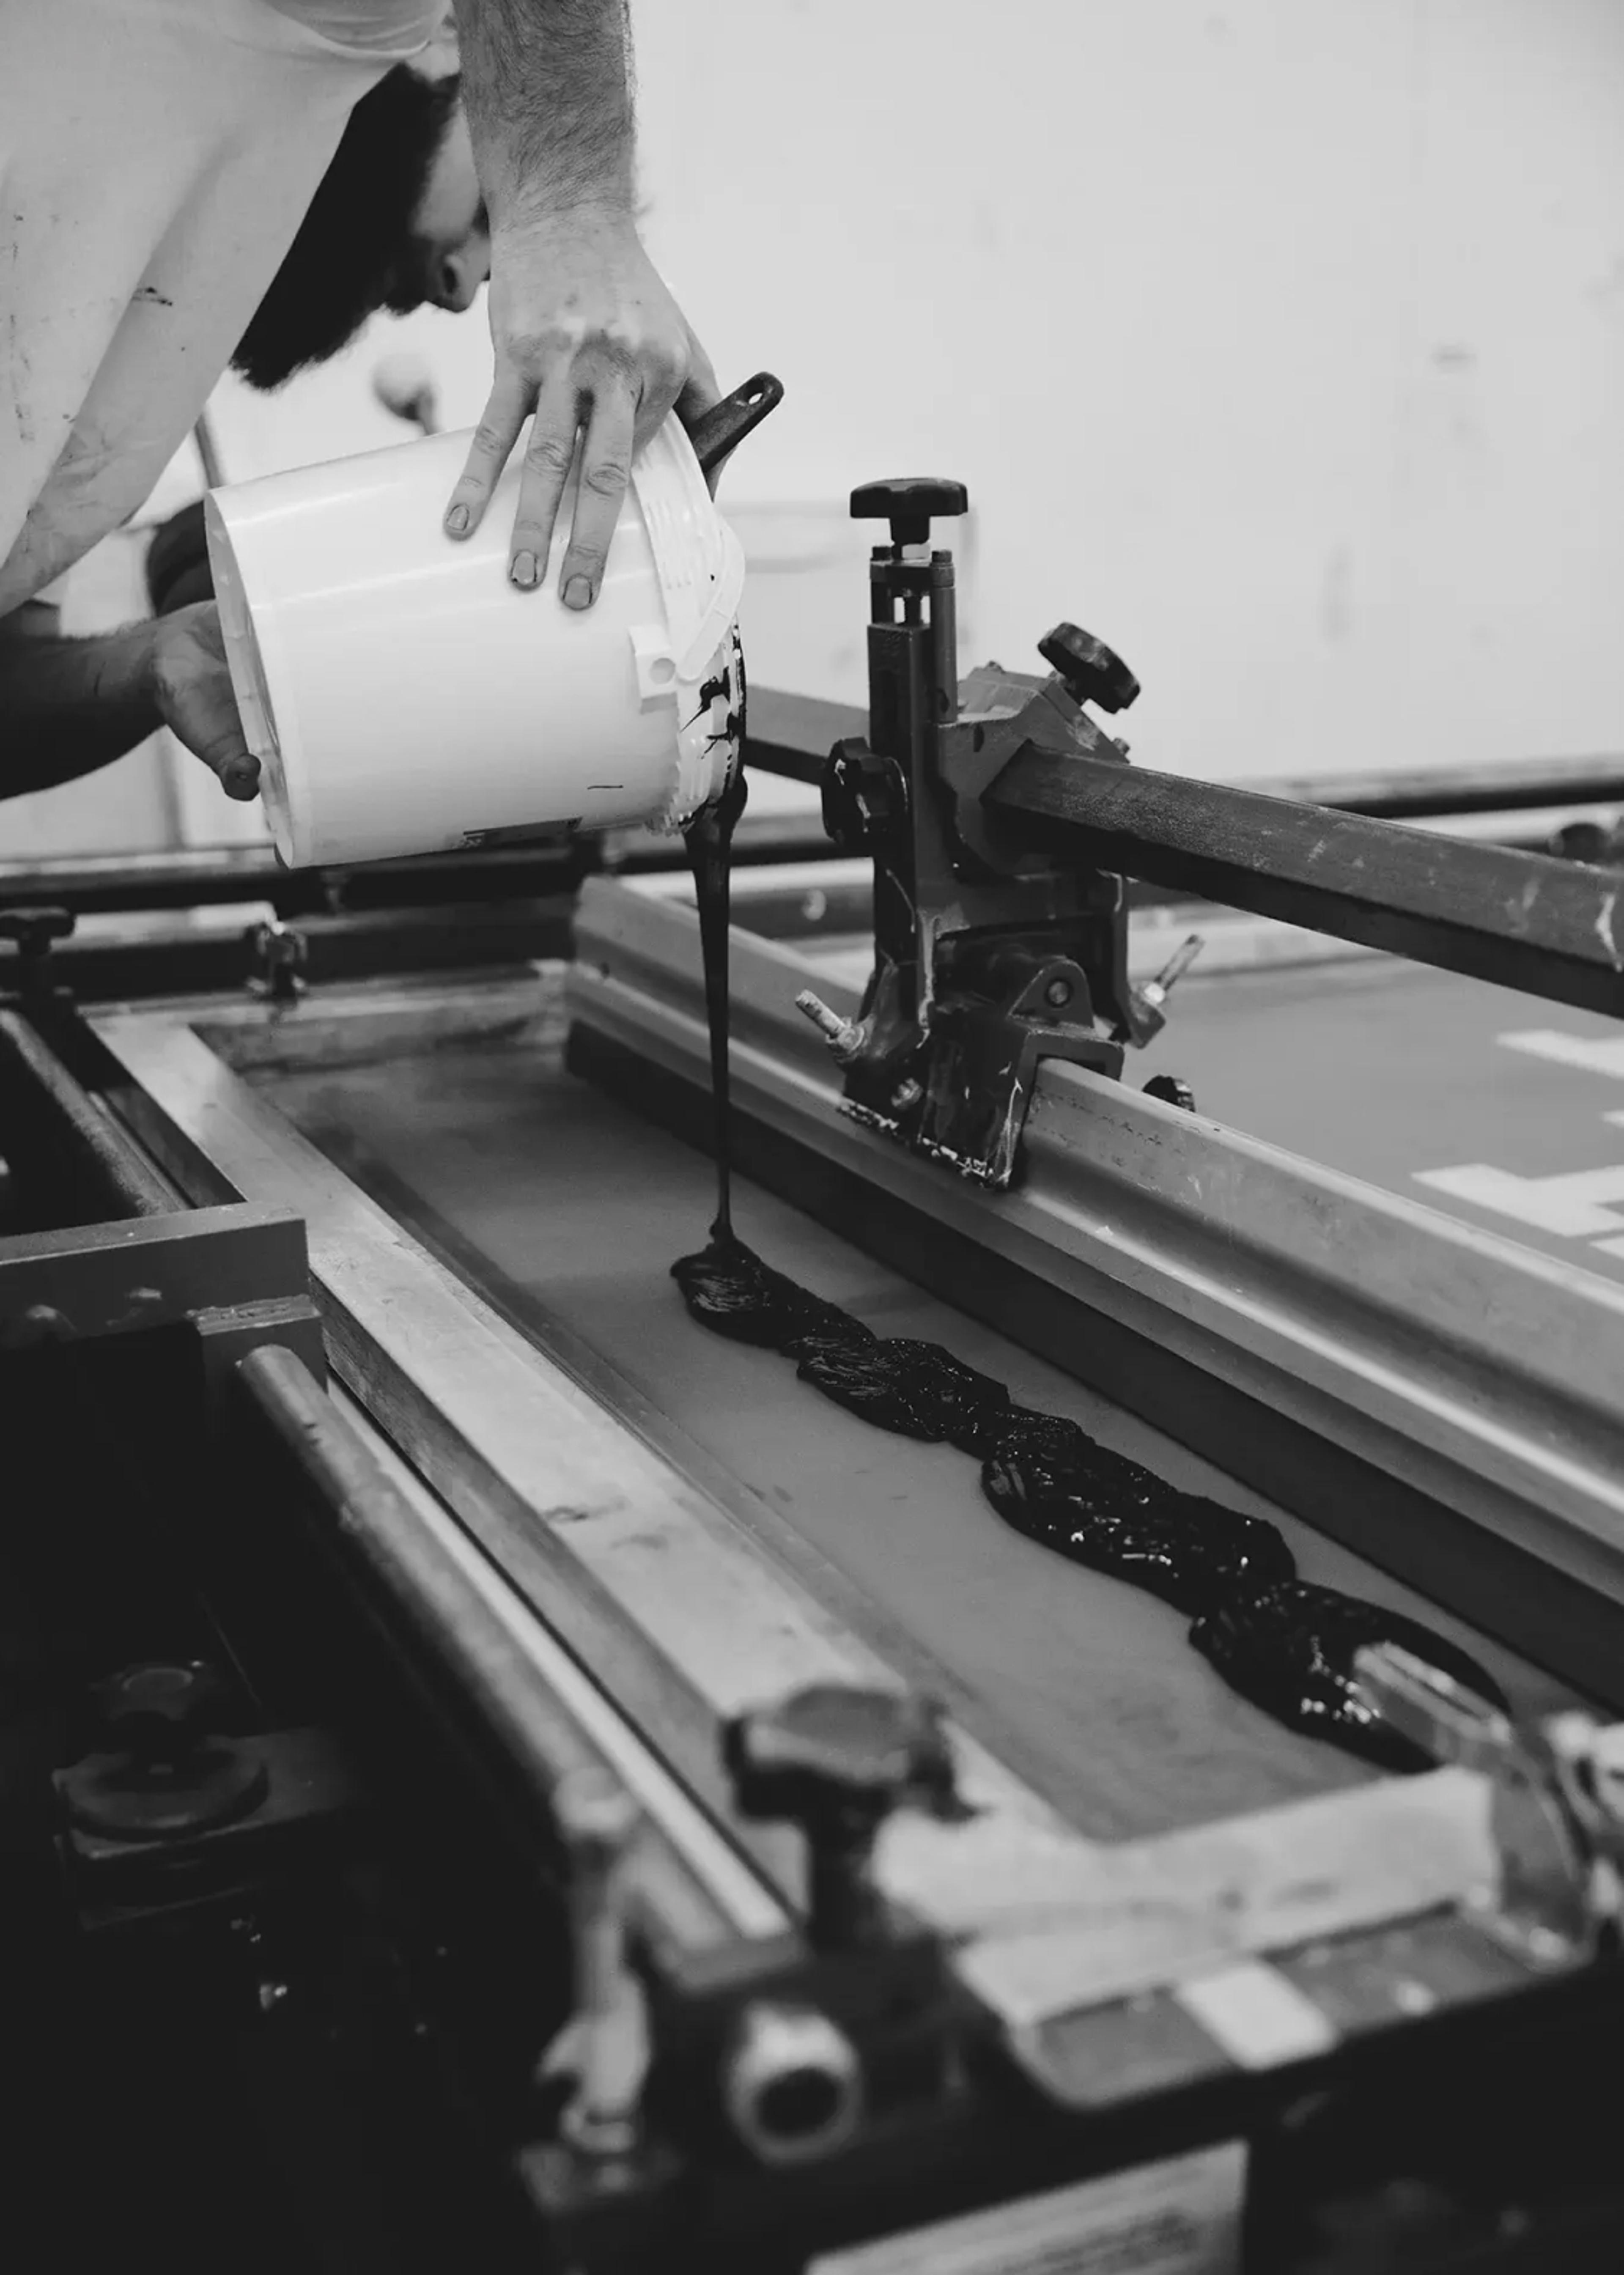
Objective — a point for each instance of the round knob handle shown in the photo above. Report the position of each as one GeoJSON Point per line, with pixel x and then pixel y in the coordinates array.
{"type": "Point", "coordinates": [909, 505]}
{"type": "Point", "coordinates": [836, 1760]}
{"type": "Point", "coordinates": [835, 1750]}
{"type": "Point", "coordinates": [1173, 1089]}
{"type": "Point", "coordinates": [1092, 672]}
{"type": "Point", "coordinates": [161, 1709]}
{"type": "Point", "coordinates": [35, 929]}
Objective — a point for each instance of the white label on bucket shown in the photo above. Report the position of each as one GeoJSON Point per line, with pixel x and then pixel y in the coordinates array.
{"type": "Point", "coordinates": [1180, 2217]}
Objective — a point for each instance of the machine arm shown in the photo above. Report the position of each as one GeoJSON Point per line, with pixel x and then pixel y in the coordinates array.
{"type": "Point", "coordinates": [1550, 928]}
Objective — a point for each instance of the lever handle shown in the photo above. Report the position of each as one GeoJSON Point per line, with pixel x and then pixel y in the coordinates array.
{"type": "Point", "coordinates": [725, 425]}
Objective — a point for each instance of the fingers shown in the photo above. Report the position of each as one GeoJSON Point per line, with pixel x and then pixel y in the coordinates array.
{"type": "Point", "coordinates": [223, 752]}
{"type": "Point", "coordinates": [548, 457]}
{"type": "Point", "coordinates": [506, 410]}
{"type": "Point", "coordinates": [659, 385]}
{"type": "Point", "coordinates": [242, 783]}
{"type": "Point", "coordinates": [192, 687]}
{"type": "Point", "coordinates": [606, 468]}
{"type": "Point", "coordinates": [621, 398]}
{"type": "Point", "coordinates": [213, 732]}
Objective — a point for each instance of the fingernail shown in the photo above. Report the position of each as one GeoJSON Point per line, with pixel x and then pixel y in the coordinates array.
{"type": "Point", "coordinates": [578, 593]}
{"type": "Point", "coordinates": [456, 520]}
{"type": "Point", "coordinates": [523, 570]}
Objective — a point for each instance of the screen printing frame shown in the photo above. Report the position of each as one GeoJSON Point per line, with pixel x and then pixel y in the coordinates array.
{"type": "Point", "coordinates": [1250, 1943]}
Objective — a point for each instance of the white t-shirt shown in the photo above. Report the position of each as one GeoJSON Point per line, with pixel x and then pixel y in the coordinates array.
{"type": "Point", "coordinates": [157, 158]}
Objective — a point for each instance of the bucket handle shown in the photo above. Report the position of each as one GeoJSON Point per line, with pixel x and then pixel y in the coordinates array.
{"type": "Point", "coordinates": [725, 425]}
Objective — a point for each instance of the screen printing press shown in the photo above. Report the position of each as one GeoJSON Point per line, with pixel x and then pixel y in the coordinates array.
{"type": "Point", "coordinates": [499, 1777]}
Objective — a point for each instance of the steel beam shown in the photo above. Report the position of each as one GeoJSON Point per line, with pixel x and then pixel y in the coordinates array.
{"type": "Point", "coordinates": [1550, 928]}
{"type": "Point", "coordinates": [792, 736]}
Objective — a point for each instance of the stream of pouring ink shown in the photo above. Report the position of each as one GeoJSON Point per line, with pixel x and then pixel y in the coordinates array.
{"type": "Point", "coordinates": [709, 839]}
{"type": "Point", "coordinates": [1280, 1640]}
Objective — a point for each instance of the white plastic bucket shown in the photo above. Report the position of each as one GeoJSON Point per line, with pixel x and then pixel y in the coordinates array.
{"type": "Point", "coordinates": [402, 697]}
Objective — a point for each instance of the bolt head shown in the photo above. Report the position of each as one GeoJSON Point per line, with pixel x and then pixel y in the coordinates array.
{"type": "Point", "coordinates": [1057, 995]}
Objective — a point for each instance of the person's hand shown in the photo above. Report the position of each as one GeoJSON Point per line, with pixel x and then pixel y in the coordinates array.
{"type": "Point", "coordinates": [586, 336]}
{"type": "Point", "coordinates": [192, 687]}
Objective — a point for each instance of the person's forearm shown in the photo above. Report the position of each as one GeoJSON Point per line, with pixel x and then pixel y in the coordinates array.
{"type": "Point", "coordinates": [548, 87]}
{"type": "Point", "coordinates": [68, 707]}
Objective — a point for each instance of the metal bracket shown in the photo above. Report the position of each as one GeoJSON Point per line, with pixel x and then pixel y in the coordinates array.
{"type": "Point", "coordinates": [237, 1276]}
{"type": "Point", "coordinates": [989, 956]}
{"type": "Point", "coordinates": [278, 955]}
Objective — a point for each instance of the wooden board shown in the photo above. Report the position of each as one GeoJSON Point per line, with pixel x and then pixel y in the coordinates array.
{"type": "Point", "coordinates": [565, 1210]}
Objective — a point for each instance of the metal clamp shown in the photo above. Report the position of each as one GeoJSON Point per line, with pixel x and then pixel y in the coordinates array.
{"type": "Point", "coordinates": [278, 956]}
{"type": "Point", "coordinates": [1557, 1812]}
{"type": "Point", "coordinates": [33, 933]}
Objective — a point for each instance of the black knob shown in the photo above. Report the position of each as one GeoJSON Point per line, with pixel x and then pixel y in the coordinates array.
{"type": "Point", "coordinates": [165, 1772]}
{"type": "Point", "coordinates": [159, 1711]}
{"type": "Point", "coordinates": [1173, 1089]}
{"type": "Point", "coordinates": [1587, 842]}
{"type": "Point", "coordinates": [35, 929]}
{"type": "Point", "coordinates": [1092, 672]}
{"type": "Point", "coordinates": [909, 505]}
{"type": "Point", "coordinates": [837, 1761]}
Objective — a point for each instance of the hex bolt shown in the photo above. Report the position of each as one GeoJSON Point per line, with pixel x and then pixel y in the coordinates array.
{"type": "Point", "coordinates": [844, 1038]}
{"type": "Point", "coordinates": [1157, 991]}
{"type": "Point", "coordinates": [1057, 995]}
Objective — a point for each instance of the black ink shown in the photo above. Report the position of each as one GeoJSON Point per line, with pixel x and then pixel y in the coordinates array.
{"type": "Point", "coordinates": [917, 1389]}
{"type": "Point", "coordinates": [1285, 1644]}
{"type": "Point", "coordinates": [709, 838]}
{"type": "Point", "coordinates": [1290, 1650]}
{"type": "Point", "coordinates": [1106, 1512]}
{"type": "Point", "coordinates": [731, 1289]}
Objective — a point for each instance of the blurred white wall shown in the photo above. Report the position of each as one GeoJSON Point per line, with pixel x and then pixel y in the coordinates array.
{"type": "Point", "coordinates": [1280, 341]}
